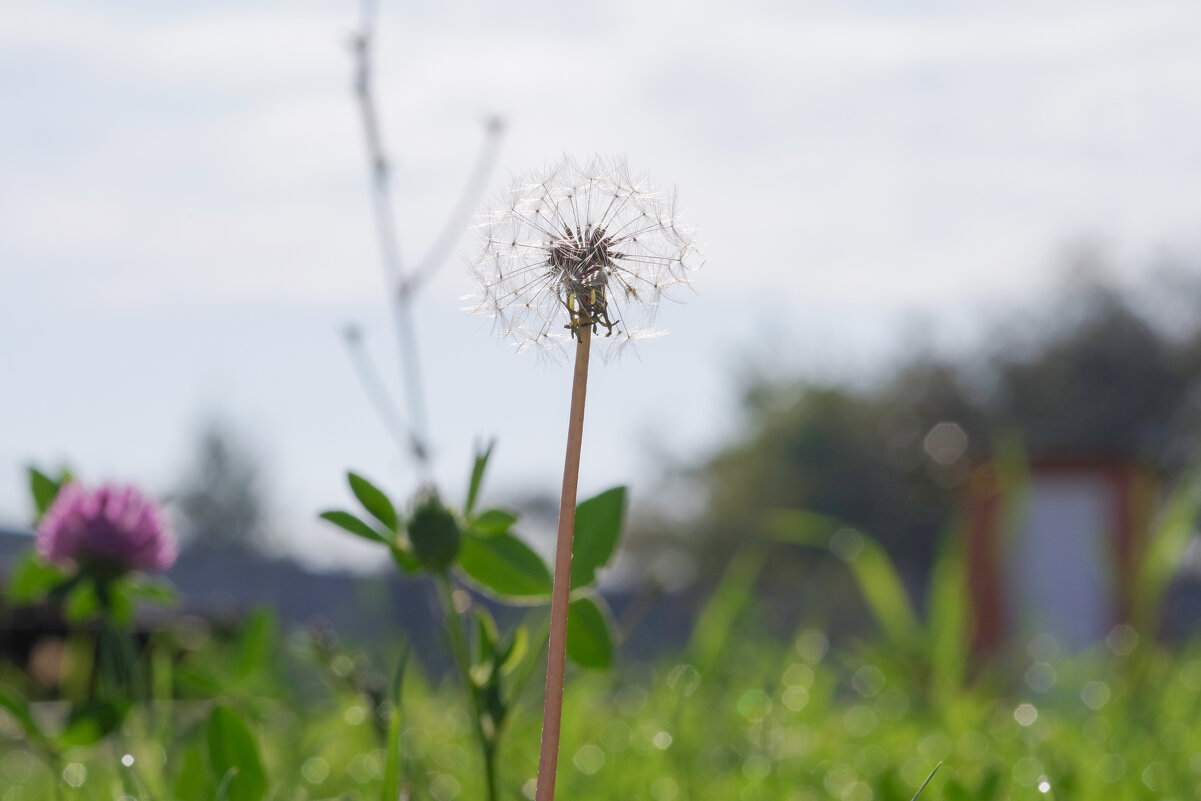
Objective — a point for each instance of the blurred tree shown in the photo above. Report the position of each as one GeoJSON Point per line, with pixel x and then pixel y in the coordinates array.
{"type": "Point", "coordinates": [1094, 373]}
{"type": "Point", "coordinates": [1103, 382]}
{"type": "Point", "coordinates": [864, 458]}
{"type": "Point", "coordinates": [221, 497]}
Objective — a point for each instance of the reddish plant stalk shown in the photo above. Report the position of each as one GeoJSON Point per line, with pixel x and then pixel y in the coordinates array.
{"type": "Point", "coordinates": [552, 711]}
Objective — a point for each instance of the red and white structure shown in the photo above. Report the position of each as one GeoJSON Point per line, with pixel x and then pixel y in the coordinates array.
{"type": "Point", "coordinates": [1057, 554]}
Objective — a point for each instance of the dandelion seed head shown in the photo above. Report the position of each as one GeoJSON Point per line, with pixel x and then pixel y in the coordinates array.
{"type": "Point", "coordinates": [581, 244]}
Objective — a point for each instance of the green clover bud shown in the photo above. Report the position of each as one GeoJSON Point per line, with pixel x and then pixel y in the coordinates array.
{"type": "Point", "coordinates": [434, 533]}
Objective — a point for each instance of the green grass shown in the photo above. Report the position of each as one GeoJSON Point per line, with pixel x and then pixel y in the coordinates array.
{"type": "Point", "coordinates": [791, 721]}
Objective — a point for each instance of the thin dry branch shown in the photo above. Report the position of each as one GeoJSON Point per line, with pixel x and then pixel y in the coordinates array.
{"type": "Point", "coordinates": [403, 285]}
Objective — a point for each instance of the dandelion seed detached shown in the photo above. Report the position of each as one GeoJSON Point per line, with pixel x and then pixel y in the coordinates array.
{"type": "Point", "coordinates": [575, 250]}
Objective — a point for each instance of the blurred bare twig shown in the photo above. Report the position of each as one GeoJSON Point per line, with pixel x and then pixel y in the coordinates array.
{"type": "Point", "coordinates": [457, 221]}
{"type": "Point", "coordinates": [373, 385]}
{"type": "Point", "coordinates": [403, 285]}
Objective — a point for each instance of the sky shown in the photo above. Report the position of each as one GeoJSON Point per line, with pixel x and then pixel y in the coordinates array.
{"type": "Point", "coordinates": [185, 225]}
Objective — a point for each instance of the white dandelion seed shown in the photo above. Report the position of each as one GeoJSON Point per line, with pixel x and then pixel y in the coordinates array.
{"type": "Point", "coordinates": [581, 244]}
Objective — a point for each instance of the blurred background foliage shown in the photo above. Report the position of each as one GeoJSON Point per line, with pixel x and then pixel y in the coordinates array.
{"type": "Point", "coordinates": [1098, 372]}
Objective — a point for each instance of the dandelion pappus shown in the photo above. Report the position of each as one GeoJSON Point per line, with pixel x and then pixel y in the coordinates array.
{"type": "Point", "coordinates": [580, 264]}
{"type": "Point", "coordinates": [581, 245]}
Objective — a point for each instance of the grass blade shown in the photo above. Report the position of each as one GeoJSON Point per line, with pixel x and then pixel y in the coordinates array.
{"type": "Point", "coordinates": [874, 572]}
{"type": "Point", "coordinates": [391, 787]}
{"type": "Point", "coordinates": [728, 602]}
{"type": "Point", "coordinates": [927, 781]}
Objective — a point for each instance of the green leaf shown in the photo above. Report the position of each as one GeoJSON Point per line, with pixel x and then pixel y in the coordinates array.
{"type": "Point", "coordinates": [990, 785]}
{"type": "Point", "coordinates": [954, 790]}
{"type": "Point", "coordinates": [801, 527]}
{"type": "Point", "coordinates": [119, 602]}
{"type": "Point", "coordinates": [155, 592]}
{"type": "Point", "coordinates": [32, 579]}
{"type": "Point", "coordinates": [374, 501]}
{"type": "Point", "coordinates": [597, 528]}
{"type": "Point", "coordinates": [487, 638]}
{"type": "Point", "coordinates": [257, 644]}
{"type": "Point", "coordinates": [477, 477]}
{"type": "Point", "coordinates": [404, 559]}
{"type": "Point", "coordinates": [392, 753]}
{"type": "Point", "coordinates": [885, 594]}
{"type": "Point", "coordinates": [589, 643]}
{"type": "Point", "coordinates": [514, 650]}
{"type": "Point", "coordinates": [348, 522]}
{"type": "Point", "coordinates": [199, 681]}
{"type": "Point", "coordinates": [493, 522]}
{"type": "Point", "coordinates": [947, 613]}
{"type": "Point", "coordinates": [18, 707]}
{"type": "Point", "coordinates": [192, 782]}
{"type": "Point", "coordinates": [232, 750]}
{"type": "Point", "coordinates": [43, 489]}
{"type": "Point", "coordinates": [222, 791]}
{"type": "Point", "coordinates": [523, 671]}
{"type": "Point", "coordinates": [506, 568]}
{"type": "Point", "coordinates": [89, 722]}
{"type": "Point", "coordinates": [721, 612]}
{"type": "Point", "coordinates": [1165, 548]}
{"type": "Point", "coordinates": [82, 603]}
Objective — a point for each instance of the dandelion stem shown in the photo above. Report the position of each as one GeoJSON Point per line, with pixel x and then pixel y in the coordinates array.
{"type": "Point", "coordinates": [552, 713]}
